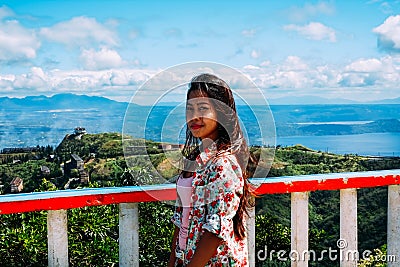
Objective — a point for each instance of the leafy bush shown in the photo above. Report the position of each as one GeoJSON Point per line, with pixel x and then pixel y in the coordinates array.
{"type": "Point", "coordinates": [21, 239]}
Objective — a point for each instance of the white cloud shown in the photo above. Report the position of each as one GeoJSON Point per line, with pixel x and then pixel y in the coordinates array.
{"type": "Point", "coordinates": [80, 31]}
{"type": "Point", "coordinates": [16, 42]}
{"type": "Point", "coordinates": [294, 63]}
{"type": "Point", "coordinates": [386, 8]}
{"type": "Point", "coordinates": [84, 81]}
{"type": "Point", "coordinates": [255, 54]}
{"type": "Point", "coordinates": [251, 67]}
{"type": "Point", "coordinates": [6, 12]}
{"type": "Point", "coordinates": [389, 34]}
{"type": "Point", "coordinates": [121, 82]}
{"type": "Point", "coordinates": [365, 65]}
{"type": "Point", "coordinates": [355, 80]}
{"type": "Point", "coordinates": [292, 73]}
{"type": "Point", "coordinates": [314, 31]}
{"type": "Point", "coordinates": [129, 78]}
{"type": "Point", "coordinates": [311, 10]}
{"type": "Point", "coordinates": [265, 63]}
{"type": "Point", "coordinates": [249, 32]}
{"type": "Point", "coordinates": [295, 76]}
{"type": "Point", "coordinates": [33, 80]}
{"type": "Point", "coordinates": [367, 72]}
{"type": "Point", "coordinates": [103, 59]}
{"type": "Point", "coordinates": [6, 83]}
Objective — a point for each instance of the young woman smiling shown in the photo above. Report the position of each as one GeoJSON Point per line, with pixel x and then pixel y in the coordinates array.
{"type": "Point", "coordinates": [213, 192]}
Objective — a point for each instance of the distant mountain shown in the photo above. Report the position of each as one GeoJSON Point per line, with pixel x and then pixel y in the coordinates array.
{"type": "Point", "coordinates": [387, 101]}
{"type": "Point", "coordinates": [73, 101]}
{"type": "Point", "coordinates": [60, 101]}
{"type": "Point", "coordinates": [378, 126]}
{"type": "Point", "coordinates": [313, 100]}
{"type": "Point", "coordinates": [308, 100]}
{"type": "Point", "coordinates": [298, 100]}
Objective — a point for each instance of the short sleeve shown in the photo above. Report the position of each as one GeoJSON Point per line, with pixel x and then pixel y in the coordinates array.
{"type": "Point", "coordinates": [224, 189]}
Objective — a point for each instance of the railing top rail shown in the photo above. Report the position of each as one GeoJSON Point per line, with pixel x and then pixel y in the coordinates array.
{"type": "Point", "coordinates": [329, 181]}
{"type": "Point", "coordinates": [67, 199]}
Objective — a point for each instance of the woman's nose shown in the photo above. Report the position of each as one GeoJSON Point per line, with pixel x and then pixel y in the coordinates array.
{"type": "Point", "coordinates": [194, 115]}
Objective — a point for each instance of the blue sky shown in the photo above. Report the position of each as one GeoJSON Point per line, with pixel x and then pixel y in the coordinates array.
{"type": "Point", "coordinates": [330, 49]}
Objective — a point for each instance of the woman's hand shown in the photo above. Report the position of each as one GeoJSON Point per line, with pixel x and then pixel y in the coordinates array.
{"type": "Point", "coordinates": [206, 248]}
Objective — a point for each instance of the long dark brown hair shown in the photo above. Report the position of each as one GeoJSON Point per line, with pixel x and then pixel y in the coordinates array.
{"type": "Point", "coordinates": [230, 137]}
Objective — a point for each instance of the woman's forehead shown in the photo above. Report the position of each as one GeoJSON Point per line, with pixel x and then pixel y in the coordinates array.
{"type": "Point", "coordinates": [198, 100]}
{"type": "Point", "coordinates": [197, 93]}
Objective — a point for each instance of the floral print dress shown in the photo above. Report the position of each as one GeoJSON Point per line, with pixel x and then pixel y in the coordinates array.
{"type": "Point", "coordinates": [217, 186]}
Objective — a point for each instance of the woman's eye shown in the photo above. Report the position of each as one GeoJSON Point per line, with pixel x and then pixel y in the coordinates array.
{"type": "Point", "coordinates": [203, 108]}
{"type": "Point", "coordinates": [189, 109]}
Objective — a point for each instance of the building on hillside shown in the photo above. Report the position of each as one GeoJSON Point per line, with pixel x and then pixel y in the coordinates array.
{"type": "Point", "coordinates": [76, 162]}
{"type": "Point", "coordinates": [17, 185]}
{"type": "Point", "coordinates": [84, 176]}
{"type": "Point", "coordinates": [16, 161]}
{"type": "Point", "coordinates": [51, 158]}
{"type": "Point", "coordinates": [79, 130]}
{"type": "Point", "coordinates": [44, 170]}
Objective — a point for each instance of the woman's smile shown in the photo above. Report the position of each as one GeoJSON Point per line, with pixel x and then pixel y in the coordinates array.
{"type": "Point", "coordinates": [201, 117]}
{"type": "Point", "coordinates": [195, 126]}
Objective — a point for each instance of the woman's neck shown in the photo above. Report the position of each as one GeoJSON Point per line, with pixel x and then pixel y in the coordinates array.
{"type": "Point", "coordinates": [206, 142]}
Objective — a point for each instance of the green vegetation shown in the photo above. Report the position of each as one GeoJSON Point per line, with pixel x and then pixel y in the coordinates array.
{"type": "Point", "coordinates": [93, 231]}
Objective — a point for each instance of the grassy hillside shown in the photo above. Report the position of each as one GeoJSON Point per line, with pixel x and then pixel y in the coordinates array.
{"type": "Point", "coordinates": [94, 231]}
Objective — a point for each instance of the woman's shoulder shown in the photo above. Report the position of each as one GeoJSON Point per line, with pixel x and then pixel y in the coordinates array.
{"type": "Point", "coordinates": [226, 159]}
{"type": "Point", "coordinates": [226, 167]}
{"type": "Point", "coordinates": [225, 155]}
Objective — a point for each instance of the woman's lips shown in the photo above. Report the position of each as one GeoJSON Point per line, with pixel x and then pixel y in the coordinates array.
{"type": "Point", "coordinates": [195, 126]}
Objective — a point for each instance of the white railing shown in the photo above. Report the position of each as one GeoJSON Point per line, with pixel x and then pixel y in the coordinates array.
{"type": "Point", "coordinates": [57, 202]}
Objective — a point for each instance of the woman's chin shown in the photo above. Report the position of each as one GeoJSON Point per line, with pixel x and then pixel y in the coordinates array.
{"type": "Point", "coordinates": [196, 133]}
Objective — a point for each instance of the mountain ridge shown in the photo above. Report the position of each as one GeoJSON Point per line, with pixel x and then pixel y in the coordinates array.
{"type": "Point", "coordinates": [84, 99]}
{"type": "Point", "coordinates": [60, 101]}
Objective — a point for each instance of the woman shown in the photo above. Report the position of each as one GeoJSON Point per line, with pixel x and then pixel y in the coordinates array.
{"type": "Point", "coordinates": [213, 193]}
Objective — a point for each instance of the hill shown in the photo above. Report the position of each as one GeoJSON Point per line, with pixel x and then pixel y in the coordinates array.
{"type": "Point", "coordinates": [60, 101]}
{"type": "Point", "coordinates": [379, 126]}
{"type": "Point", "coordinates": [387, 101]}
{"type": "Point", "coordinates": [96, 228]}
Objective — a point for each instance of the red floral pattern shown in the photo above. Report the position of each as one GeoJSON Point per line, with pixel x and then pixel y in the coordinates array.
{"type": "Point", "coordinates": [216, 190]}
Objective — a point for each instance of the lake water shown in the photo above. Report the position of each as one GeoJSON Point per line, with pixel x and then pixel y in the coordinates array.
{"type": "Point", "coordinates": [373, 144]}
{"type": "Point", "coordinates": [19, 128]}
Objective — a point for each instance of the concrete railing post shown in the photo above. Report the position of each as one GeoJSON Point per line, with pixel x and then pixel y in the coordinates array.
{"type": "Point", "coordinates": [128, 235]}
{"type": "Point", "coordinates": [393, 234]}
{"type": "Point", "coordinates": [299, 233]}
{"type": "Point", "coordinates": [57, 238]}
{"type": "Point", "coordinates": [251, 236]}
{"type": "Point", "coordinates": [347, 244]}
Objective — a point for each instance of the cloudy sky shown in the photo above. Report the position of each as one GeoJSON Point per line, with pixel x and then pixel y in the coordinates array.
{"type": "Point", "coordinates": [331, 49]}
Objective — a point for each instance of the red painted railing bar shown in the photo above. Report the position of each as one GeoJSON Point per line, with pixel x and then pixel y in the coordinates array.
{"type": "Point", "coordinates": [55, 202]}
{"type": "Point", "coordinates": [69, 199]}
{"type": "Point", "coordinates": [334, 181]}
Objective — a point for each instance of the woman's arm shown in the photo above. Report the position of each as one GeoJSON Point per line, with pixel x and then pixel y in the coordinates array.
{"type": "Point", "coordinates": [172, 257]}
{"type": "Point", "coordinates": [206, 248]}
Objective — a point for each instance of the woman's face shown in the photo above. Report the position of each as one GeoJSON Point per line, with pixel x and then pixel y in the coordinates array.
{"type": "Point", "coordinates": [201, 117]}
